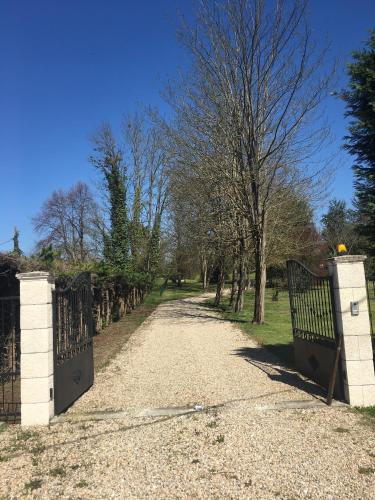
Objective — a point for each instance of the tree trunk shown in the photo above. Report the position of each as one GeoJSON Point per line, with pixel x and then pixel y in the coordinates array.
{"type": "Point", "coordinates": [260, 279]}
{"type": "Point", "coordinates": [220, 285]}
{"type": "Point", "coordinates": [241, 282]}
{"type": "Point", "coordinates": [234, 286]}
{"type": "Point", "coordinates": [204, 272]}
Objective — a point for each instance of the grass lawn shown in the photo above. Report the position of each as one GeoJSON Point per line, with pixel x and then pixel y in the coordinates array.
{"type": "Point", "coordinates": [275, 333]}
{"type": "Point", "coordinates": [368, 416]}
{"type": "Point", "coordinates": [111, 339]}
{"type": "Point", "coordinates": [189, 288]}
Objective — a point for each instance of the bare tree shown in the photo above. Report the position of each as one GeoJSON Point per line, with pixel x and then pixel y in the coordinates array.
{"type": "Point", "coordinates": [148, 162]}
{"type": "Point", "coordinates": [71, 222]}
{"type": "Point", "coordinates": [247, 110]}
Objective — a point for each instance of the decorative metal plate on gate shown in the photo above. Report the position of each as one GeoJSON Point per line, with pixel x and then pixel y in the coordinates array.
{"type": "Point", "coordinates": [73, 348]}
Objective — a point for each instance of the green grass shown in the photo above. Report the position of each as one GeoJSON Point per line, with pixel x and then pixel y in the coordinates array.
{"type": "Point", "coordinates": [369, 411]}
{"type": "Point", "coordinates": [276, 332]}
{"type": "Point", "coordinates": [368, 414]}
{"type": "Point", "coordinates": [189, 288]}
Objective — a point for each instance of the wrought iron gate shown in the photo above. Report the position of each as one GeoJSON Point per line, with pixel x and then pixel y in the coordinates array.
{"type": "Point", "coordinates": [370, 282]}
{"type": "Point", "coordinates": [72, 333]}
{"type": "Point", "coordinates": [314, 325]}
{"type": "Point", "coordinates": [10, 397]}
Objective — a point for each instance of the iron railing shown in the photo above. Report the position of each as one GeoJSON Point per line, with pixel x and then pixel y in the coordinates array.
{"type": "Point", "coordinates": [370, 283]}
{"type": "Point", "coordinates": [10, 394]}
{"type": "Point", "coordinates": [311, 304]}
{"type": "Point", "coordinates": [72, 318]}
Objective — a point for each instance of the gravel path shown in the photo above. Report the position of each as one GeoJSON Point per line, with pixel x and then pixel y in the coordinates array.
{"type": "Point", "coordinates": [240, 447]}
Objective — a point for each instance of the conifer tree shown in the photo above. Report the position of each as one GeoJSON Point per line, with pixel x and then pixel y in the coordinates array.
{"type": "Point", "coordinates": [16, 242]}
{"type": "Point", "coordinates": [360, 103]}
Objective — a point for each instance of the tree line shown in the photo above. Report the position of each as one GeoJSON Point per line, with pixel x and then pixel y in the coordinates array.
{"type": "Point", "coordinates": [225, 188]}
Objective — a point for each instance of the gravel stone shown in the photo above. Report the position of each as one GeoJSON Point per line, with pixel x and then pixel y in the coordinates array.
{"type": "Point", "coordinates": [237, 447]}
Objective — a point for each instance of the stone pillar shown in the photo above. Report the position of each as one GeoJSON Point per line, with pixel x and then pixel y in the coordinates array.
{"type": "Point", "coordinates": [353, 323]}
{"type": "Point", "coordinates": [37, 404]}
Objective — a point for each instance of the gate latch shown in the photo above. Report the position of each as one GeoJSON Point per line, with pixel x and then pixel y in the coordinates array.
{"type": "Point", "coordinates": [354, 308]}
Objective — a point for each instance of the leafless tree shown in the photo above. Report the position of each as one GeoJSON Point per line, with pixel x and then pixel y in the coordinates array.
{"type": "Point", "coordinates": [70, 221]}
{"type": "Point", "coordinates": [247, 111]}
{"type": "Point", "coordinates": [148, 161]}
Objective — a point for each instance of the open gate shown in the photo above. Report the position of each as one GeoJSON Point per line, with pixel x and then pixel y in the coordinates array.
{"type": "Point", "coordinates": [314, 325]}
{"type": "Point", "coordinates": [10, 393]}
{"type": "Point", "coordinates": [72, 333]}
{"type": "Point", "coordinates": [370, 283]}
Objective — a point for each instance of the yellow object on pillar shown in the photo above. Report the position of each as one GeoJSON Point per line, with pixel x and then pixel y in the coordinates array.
{"type": "Point", "coordinates": [341, 248]}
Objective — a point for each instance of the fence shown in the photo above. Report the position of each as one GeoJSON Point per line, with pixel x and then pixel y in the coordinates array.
{"type": "Point", "coordinates": [112, 301]}
{"type": "Point", "coordinates": [10, 397]}
{"type": "Point", "coordinates": [370, 283]}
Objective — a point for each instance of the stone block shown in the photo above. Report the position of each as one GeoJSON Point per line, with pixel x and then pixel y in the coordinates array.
{"type": "Point", "coordinates": [359, 372]}
{"type": "Point", "coordinates": [36, 316]}
{"type": "Point", "coordinates": [39, 340]}
{"type": "Point", "coordinates": [36, 365]}
{"type": "Point", "coordinates": [369, 395]}
{"type": "Point", "coordinates": [342, 298]}
{"type": "Point", "coordinates": [354, 395]}
{"type": "Point", "coordinates": [36, 390]}
{"type": "Point", "coordinates": [348, 275]}
{"type": "Point", "coordinates": [35, 292]}
{"type": "Point", "coordinates": [35, 414]}
{"type": "Point", "coordinates": [365, 347]}
{"type": "Point", "coordinates": [353, 325]}
{"type": "Point", "coordinates": [351, 348]}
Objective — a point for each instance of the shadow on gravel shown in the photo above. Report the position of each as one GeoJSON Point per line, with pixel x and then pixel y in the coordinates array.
{"type": "Point", "coordinates": [262, 359]}
{"type": "Point", "coordinates": [180, 313]}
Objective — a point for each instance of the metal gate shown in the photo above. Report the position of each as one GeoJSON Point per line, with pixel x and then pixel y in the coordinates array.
{"type": "Point", "coordinates": [370, 282]}
{"type": "Point", "coordinates": [10, 393]}
{"type": "Point", "coordinates": [314, 325]}
{"type": "Point", "coordinates": [72, 333]}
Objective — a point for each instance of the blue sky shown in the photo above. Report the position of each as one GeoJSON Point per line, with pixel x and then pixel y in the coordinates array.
{"type": "Point", "coordinates": [68, 65]}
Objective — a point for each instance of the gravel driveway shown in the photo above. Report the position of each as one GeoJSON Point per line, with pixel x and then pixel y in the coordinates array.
{"type": "Point", "coordinates": [264, 432]}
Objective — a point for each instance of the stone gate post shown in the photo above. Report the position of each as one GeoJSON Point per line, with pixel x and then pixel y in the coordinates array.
{"type": "Point", "coordinates": [352, 317]}
{"type": "Point", "coordinates": [37, 404]}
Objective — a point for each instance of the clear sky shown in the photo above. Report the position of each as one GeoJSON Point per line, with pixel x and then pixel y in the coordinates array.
{"type": "Point", "coordinates": [68, 65]}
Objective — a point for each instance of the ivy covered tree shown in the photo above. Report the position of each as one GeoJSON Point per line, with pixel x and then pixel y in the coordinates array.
{"type": "Point", "coordinates": [153, 251]}
{"type": "Point", "coordinates": [360, 103]}
{"type": "Point", "coordinates": [16, 242]}
{"type": "Point", "coordinates": [136, 230]}
{"type": "Point", "coordinates": [109, 161]}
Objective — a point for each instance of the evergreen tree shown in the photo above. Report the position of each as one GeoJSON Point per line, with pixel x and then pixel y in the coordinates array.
{"type": "Point", "coordinates": [136, 230]}
{"type": "Point", "coordinates": [360, 102]}
{"type": "Point", "coordinates": [16, 242]}
{"type": "Point", "coordinates": [338, 226]}
{"type": "Point", "coordinates": [153, 257]}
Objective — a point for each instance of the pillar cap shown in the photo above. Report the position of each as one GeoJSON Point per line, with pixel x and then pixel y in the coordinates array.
{"type": "Point", "coordinates": [36, 275]}
{"type": "Point", "coordinates": [344, 259]}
